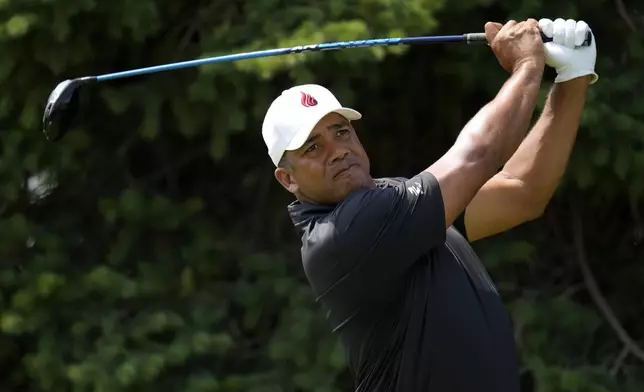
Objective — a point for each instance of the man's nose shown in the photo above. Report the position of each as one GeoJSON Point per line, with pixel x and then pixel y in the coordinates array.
{"type": "Point", "coordinates": [339, 153]}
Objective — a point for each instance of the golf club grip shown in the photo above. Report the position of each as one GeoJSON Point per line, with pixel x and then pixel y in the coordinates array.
{"type": "Point", "coordinates": [480, 37]}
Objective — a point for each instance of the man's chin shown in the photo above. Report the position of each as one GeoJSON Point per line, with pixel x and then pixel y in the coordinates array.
{"type": "Point", "coordinates": [346, 186]}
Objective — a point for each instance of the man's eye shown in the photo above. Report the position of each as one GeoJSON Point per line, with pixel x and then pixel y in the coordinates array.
{"type": "Point", "coordinates": [342, 132]}
{"type": "Point", "coordinates": [311, 147]}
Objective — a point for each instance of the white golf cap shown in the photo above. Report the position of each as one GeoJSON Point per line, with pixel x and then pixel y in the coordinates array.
{"type": "Point", "coordinates": [292, 116]}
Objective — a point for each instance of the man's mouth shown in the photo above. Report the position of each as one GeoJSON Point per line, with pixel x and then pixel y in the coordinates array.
{"type": "Point", "coordinates": [344, 170]}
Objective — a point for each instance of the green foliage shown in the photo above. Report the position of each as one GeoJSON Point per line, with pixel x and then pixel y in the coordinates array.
{"type": "Point", "coordinates": [150, 250]}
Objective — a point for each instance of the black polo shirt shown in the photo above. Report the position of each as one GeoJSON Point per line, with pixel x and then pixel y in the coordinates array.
{"type": "Point", "coordinates": [411, 302]}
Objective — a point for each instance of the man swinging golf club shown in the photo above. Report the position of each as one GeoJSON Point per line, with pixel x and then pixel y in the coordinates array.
{"type": "Point", "coordinates": [389, 258]}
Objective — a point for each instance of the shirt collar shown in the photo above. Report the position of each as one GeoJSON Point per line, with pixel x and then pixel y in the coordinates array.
{"type": "Point", "coordinates": [304, 214]}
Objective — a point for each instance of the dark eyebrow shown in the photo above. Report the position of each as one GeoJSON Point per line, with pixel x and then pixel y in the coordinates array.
{"type": "Point", "coordinates": [330, 127]}
{"type": "Point", "coordinates": [311, 139]}
{"type": "Point", "coordinates": [337, 125]}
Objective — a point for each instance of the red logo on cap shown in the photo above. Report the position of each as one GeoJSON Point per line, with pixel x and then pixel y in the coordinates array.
{"type": "Point", "coordinates": [308, 100]}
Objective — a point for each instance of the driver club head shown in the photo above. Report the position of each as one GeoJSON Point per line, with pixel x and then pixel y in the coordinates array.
{"type": "Point", "coordinates": [62, 106]}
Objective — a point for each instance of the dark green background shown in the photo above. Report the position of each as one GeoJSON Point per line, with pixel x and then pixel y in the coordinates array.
{"type": "Point", "coordinates": [151, 250]}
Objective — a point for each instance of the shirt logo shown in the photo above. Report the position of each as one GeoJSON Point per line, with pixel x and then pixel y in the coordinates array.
{"type": "Point", "coordinates": [308, 100]}
{"type": "Point", "coordinates": [415, 189]}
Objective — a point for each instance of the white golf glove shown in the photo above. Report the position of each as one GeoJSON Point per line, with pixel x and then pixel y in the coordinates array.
{"type": "Point", "coordinates": [564, 52]}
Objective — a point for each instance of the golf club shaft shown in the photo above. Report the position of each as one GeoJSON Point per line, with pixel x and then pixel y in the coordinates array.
{"type": "Point", "coordinates": [467, 38]}
{"type": "Point", "coordinates": [470, 37]}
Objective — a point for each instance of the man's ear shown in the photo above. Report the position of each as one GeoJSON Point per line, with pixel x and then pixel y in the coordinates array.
{"type": "Point", "coordinates": [286, 178]}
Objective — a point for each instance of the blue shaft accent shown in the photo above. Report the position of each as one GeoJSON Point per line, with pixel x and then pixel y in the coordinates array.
{"type": "Point", "coordinates": [193, 63]}
{"type": "Point", "coordinates": [282, 51]}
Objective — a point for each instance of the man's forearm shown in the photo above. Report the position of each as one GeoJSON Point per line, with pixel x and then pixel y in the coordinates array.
{"type": "Point", "coordinates": [496, 131]}
{"type": "Point", "coordinates": [541, 159]}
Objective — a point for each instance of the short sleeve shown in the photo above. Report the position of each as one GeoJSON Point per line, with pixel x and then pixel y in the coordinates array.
{"type": "Point", "coordinates": [375, 235]}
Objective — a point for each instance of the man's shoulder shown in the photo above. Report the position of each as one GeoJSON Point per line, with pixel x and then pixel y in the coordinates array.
{"type": "Point", "coordinates": [333, 229]}
{"type": "Point", "coordinates": [323, 224]}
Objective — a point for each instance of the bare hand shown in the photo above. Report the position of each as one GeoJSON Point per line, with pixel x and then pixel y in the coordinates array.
{"type": "Point", "coordinates": [516, 44]}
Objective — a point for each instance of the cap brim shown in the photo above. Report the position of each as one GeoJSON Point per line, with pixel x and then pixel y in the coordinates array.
{"type": "Point", "coordinates": [304, 132]}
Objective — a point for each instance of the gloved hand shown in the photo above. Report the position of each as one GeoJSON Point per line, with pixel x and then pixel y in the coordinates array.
{"type": "Point", "coordinates": [564, 52]}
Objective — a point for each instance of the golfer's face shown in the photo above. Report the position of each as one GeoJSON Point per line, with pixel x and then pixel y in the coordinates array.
{"type": "Point", "coordinates": [332, 162]}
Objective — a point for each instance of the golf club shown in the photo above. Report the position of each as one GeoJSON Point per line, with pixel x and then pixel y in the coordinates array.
{"type": "Point", "coordinates": [63, 101]}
